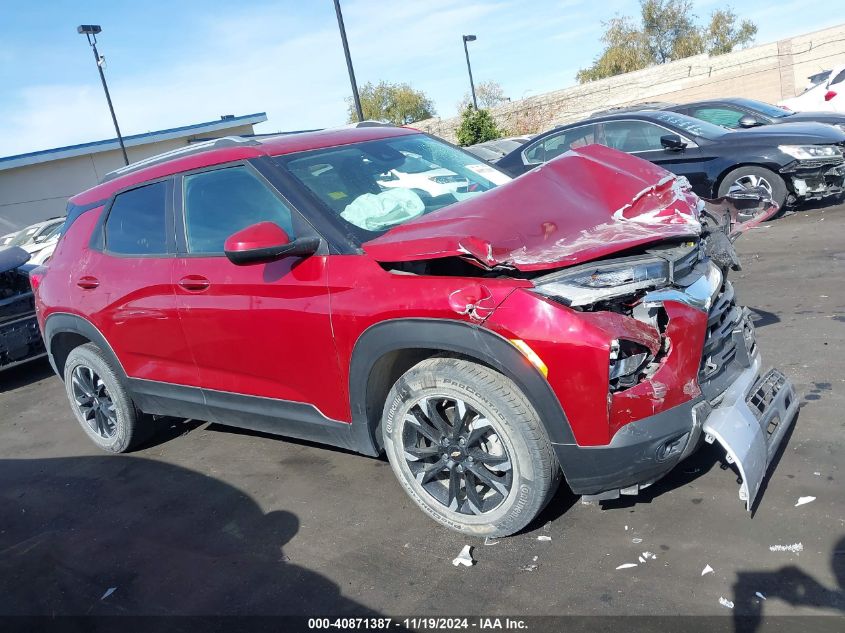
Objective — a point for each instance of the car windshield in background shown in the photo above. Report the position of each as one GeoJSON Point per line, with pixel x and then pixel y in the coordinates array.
{"type": "Point", "coordinates": [696, 127]}
{"type": "Point", "coordinates": [374, 186]}
{"type": "Point", "coordinates": [765, 108]}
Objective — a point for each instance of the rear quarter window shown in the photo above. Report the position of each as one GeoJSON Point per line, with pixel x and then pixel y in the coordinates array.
{"type": "Point", "coordinates": [136, 224]}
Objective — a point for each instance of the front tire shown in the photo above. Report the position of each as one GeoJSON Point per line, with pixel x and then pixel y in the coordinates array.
{"type": "Point", "coordinates": [750, 176]}
{"type": "Point", "coordinates": [100, 402]}
{"type": "Point", "coordinates": [468, 447]}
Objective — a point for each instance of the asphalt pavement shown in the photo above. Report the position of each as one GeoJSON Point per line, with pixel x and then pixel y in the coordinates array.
{"type": "Point", "coordinates": [212, 520]}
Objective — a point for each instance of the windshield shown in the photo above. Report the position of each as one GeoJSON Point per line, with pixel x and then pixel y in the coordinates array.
{"type": "Point", "coordinates": [24, 236]}
{"type": "Point", "coordinates": [373, 186]}
{"type": "Point", "coordinates": [765, 108]}
{"type": "Point", "coordinates": [696, 127]}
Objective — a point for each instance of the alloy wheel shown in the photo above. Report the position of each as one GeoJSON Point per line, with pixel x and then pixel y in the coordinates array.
{"type": "Point", "coordinates": [94, 401]}
{"type": "Point", "coordinates": [752, 181]}
{"type": "Point", "coordinates": [456, 455]}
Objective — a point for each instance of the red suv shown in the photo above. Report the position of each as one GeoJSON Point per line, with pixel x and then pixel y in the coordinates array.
{"type": "Point", "coordinates": [379, 290]}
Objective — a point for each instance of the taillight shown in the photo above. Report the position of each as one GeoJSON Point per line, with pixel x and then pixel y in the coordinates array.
{"type": "Point", "coordinates": [35, 277]}
{"type": "Point", "coordinates": [829, 95]}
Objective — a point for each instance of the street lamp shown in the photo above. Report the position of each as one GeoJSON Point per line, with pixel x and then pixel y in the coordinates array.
{"type": "Point", "coordinates": [355, 96]}
{"type": "Point", "coordinates": [470, 38]}
{"type": "Point", "coordinates": [90, 31]}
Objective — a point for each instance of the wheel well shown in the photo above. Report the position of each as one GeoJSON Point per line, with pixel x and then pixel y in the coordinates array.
{"type": "Point", "coordinates": [61, 345]}
{"type": "Point", "coordinates": [384, 374]}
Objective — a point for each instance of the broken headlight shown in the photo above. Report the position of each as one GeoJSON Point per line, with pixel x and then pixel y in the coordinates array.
{"type": "Point", "coordinates": [807, 152]}
{"type": "Point", "coordinates": [627, 359]}
{"type": "Point", "coordinates": [603, 280]}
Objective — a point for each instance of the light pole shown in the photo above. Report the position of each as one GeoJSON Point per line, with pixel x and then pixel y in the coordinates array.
{"type": "Point", "coordinates": [342, 28]}
{"type": "Point", "coordinates": [470, 38]}
{"type": "Point", "coordinates": [90, 31]}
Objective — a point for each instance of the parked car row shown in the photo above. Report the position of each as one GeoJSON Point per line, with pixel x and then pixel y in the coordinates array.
{"type": "Point", "coordinates": [20, 339]}
{"type": "Point", "coordinates": [39, 239]}
{"type": "Point", "coordinates": [719, 146]}
{"type": "Point", "coordinates": [377, 289]}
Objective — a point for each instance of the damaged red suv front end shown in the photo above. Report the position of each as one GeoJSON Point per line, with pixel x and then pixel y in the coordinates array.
{"type": "Point", "coordinates": [644, 345]}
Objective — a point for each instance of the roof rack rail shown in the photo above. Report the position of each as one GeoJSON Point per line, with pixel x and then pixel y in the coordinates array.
{"type": "Point", "coordinates": [194, 148]}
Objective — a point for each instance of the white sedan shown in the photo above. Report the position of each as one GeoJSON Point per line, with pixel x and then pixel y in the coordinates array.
{"type": "Point", "coordinates": [829, 95]}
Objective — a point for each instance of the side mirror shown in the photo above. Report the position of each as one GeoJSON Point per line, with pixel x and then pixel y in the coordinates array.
{"type": "Point", "coordinates": [266, 242]}
{"type": "Point", "coordinates": [748, 121]}
{"type": "Point", "coordinates": [672, 142]}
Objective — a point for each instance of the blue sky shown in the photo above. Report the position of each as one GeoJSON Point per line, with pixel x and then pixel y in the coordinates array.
{"type": "Point", "coordinates": [185, 61]}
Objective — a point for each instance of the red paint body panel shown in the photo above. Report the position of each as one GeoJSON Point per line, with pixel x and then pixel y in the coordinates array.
{"type": "Point", "coordinates": [586, 204]}
{"type": "Point", "coordinates": [263, 330]}
{"type": "Point", "coordinates": [575, 346]}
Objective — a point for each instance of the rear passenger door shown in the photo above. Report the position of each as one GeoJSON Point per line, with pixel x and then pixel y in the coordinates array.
{"type": "Point", "coordinates": [124, 284]}
{"type": "Point", "coordinates": [554, 145]}
{"type": "Point", "coordinates": [255, 330]}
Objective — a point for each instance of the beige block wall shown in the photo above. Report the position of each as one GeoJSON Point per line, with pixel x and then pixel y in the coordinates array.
{"type": "Point", "coordinates": [35, 192]}
{"type": "Point", "coordinates": [769, 72]}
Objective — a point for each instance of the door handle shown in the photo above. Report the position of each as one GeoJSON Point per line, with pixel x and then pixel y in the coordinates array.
{"type": "Point", "coordinates": [88, 282]}
{"type": "Point", "coordinates": [194, 283]}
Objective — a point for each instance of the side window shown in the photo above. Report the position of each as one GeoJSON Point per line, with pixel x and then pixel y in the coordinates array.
{"type": "Point", "coordinates": [137, 220]}
{"type": "Point", "coordinates": [633, 136]}
{"type": "Point", "coordinates": [221, 202]}
{"type": "Point", "coordinates": [726, 117]}
{"type": "Point", "coordinates": [840, 77]}
{"type": "Point", "coordinates": [555, 145]}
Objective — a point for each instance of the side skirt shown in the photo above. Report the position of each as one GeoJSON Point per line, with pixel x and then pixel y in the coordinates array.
{"type": "Point", "coordinates": [278, 417]}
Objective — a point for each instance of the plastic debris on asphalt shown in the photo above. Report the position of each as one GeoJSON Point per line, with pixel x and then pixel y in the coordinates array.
{"type": "Point", "coordinates": [531, 567]}
{"type": "Point", "coordinates": [109, 592]}
{"type": "Point", "coordinates": [726, 603]}
{"type": "Point", "coordinates": [543, 537]}
{"type": "Point", "coordinates": [707, 570]}
{"type": "Point", "coordinates": [803, 500]}
{"type": "Point", "coordinates": [760, 595]}
{"type": "Point", "coordinates": [817, 474]}
{"type": "Point", "coordinates": [636, 540]}
{"type": "Point", "coordinates": [491, 541]}
{"type": "Point", "coordinates": [627, 566]}
{"type": "Point", "coordinates": [794, 548]}
{"type": "Point", "coordinates": [641, 559]}
{"type": "Point", "coordinates": [650, 555]}
{"type": "Point", "coordinates": [464, 558]}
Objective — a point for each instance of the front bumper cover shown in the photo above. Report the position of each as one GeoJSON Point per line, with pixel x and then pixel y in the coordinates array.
{"type": "Point", "coordinates": [748, 414]}
{"type": "Point", "coordinates": [814, 180]}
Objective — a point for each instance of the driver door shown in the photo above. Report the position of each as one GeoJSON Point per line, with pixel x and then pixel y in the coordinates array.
{"type": "Point", "coordinates": [254, 330]}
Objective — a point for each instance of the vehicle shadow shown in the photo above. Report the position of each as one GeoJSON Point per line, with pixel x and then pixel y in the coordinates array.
{"type": "Point", "coordinates": [789, 584]}
{"type": "Point", "coordinates": [696, 465]}
{"type": "Point", "coordinates": [25, 374]}
{"type": "Point", "coordinates": [762, 318]}
{"type": "Point", "coordinates": [157, 538]}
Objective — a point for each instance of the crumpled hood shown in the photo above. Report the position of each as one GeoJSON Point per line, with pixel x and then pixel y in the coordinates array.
{"type": "Point", "coordinates": [586, 204]}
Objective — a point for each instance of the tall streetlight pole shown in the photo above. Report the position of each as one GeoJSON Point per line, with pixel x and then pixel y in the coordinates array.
{"type": "Point", "coordinates": [342, 28]}
{"type": "Point", "coordinates": [470, 38]}
{"type": "Point", "coordinates": [90, 31]}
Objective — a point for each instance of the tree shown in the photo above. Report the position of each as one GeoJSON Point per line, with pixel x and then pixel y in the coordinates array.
{"type": "Point", "coordinates": [477, 126]}
{"type": "Point", "coordinates": [667, 31]}
{"type": "Point", "coordinates": [399, 104]}
{"type": "Point", "coordinates": [489, 94]}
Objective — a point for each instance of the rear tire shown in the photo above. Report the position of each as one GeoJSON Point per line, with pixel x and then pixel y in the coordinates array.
{"type": "Point", "coordinates": [100, 402]}
{"type": "Point", "coordinates": [468, 447]}
{"type": "Point", "coordinates": [751, 175]}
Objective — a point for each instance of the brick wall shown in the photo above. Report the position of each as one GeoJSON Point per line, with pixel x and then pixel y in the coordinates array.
{"type": "Point", "coordinates": [769, 72]}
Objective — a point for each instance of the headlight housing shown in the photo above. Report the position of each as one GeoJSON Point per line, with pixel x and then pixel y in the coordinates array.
{"type": "Point", "coordinates": [806, 152]}
{"type": "Point", "coordinates": [602, 281]}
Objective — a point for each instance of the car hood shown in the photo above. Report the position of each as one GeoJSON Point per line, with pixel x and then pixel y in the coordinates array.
{"type": "Point", "coordinates": [12, 257]}
{"type": "Point", "coordinates": [788, 133]}
{"type": "Point", "coordinates": [586, 204]}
